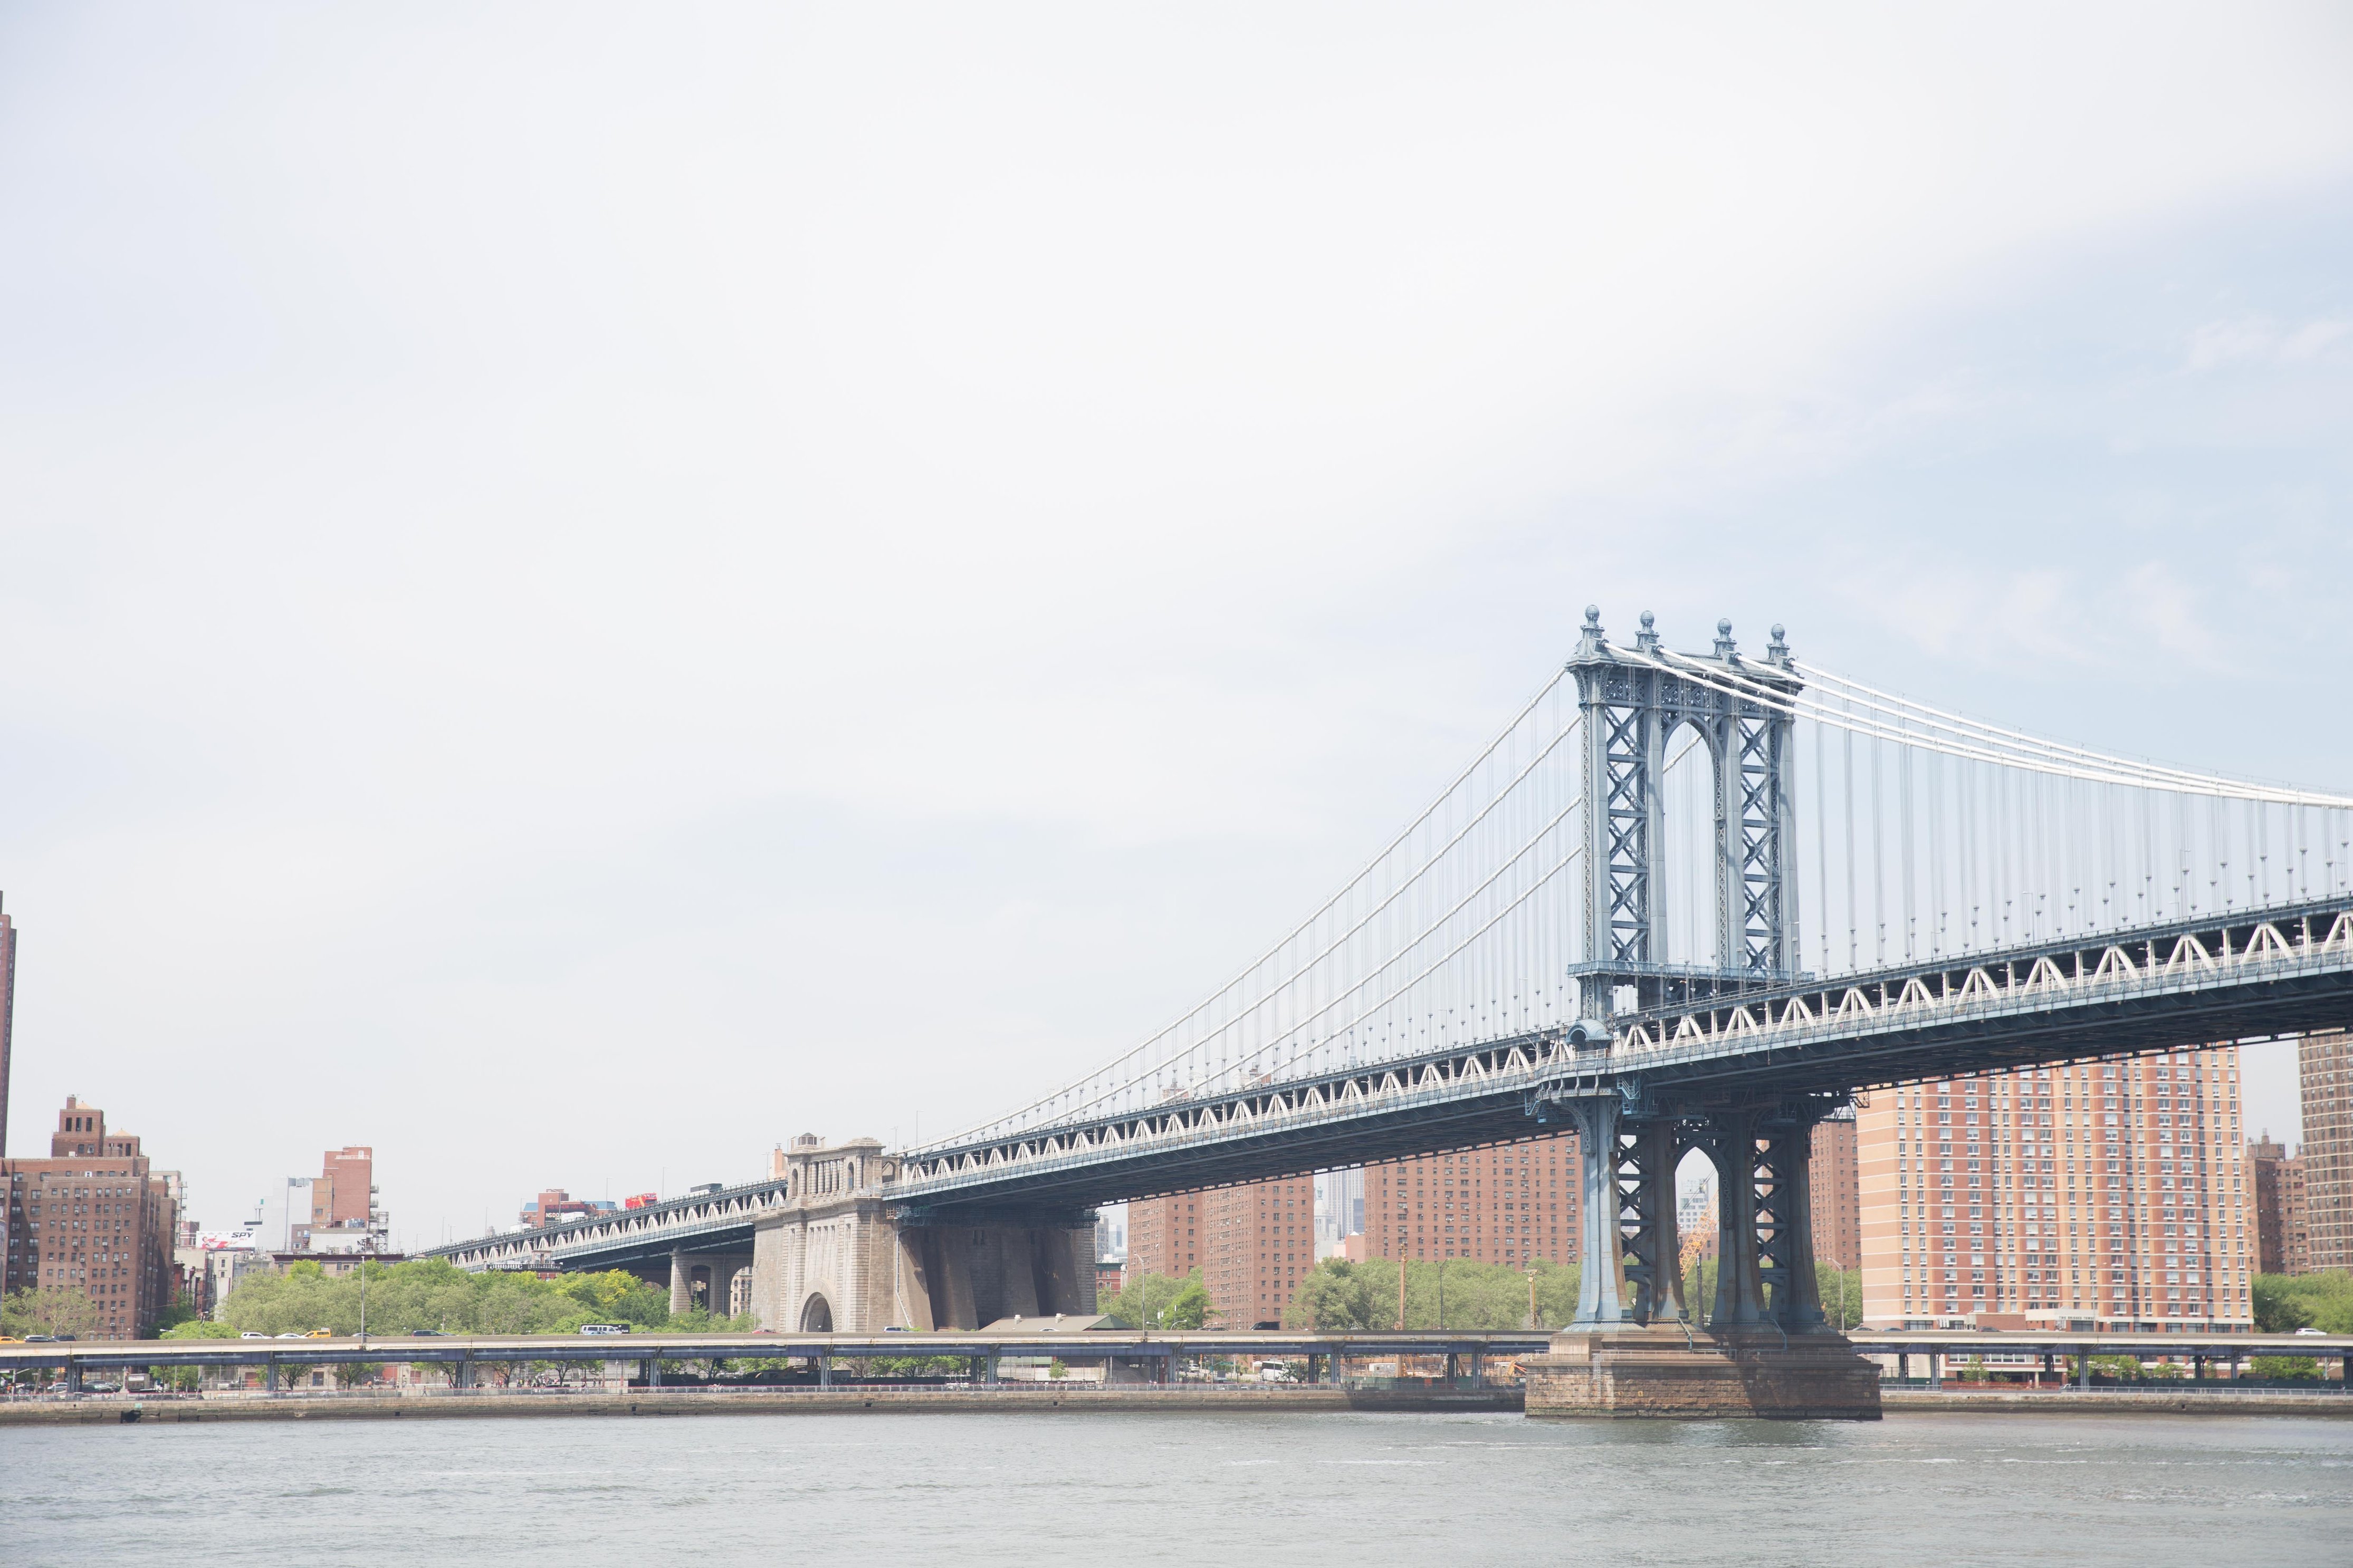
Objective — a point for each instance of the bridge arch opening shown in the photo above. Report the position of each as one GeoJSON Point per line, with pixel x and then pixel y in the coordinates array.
{"type": "Point", "coordinates": [1687, 863]}
{"type": "Point", "coordinates": [817, 1316]}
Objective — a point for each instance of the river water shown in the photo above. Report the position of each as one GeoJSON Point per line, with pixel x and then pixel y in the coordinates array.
{"type": "Point", "coordinates": [1204, 1490]}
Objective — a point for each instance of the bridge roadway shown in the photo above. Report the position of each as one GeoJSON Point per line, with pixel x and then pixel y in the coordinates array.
{"type": "Point", "coordinates": [2240, 976]}
{"type": "Point", "coordinates": [81, 1357]}
{"type": "Point", "coordinates": [2245, 975]}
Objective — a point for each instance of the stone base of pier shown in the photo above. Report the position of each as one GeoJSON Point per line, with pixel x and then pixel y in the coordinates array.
{"type": "Point", "coordinates": [1662, 1371]}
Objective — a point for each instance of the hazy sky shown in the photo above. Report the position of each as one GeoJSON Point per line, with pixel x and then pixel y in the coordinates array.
{"type": "Point", "coordinates": [585, 589]}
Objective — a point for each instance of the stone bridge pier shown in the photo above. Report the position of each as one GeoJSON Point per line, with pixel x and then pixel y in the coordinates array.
{"type": "Point", "coordinates": [704, 1279]}
{"type": "Point", "coordinates": [839, 1256]}
{"type": "Point", "coordinates": [1636, 1348]}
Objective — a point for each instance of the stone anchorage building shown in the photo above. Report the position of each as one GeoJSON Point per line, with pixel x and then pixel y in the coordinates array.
{"type": "Point", "coordinates": [835, 1257]}
{"type": "Point", "coordinates": [2090, 1196]}
{"type": "Point", "coordinates": [93, 1217]}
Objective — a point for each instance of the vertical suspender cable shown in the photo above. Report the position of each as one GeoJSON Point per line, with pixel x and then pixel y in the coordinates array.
{"type": "Point", "coordinates": [1904, 783]}
{"type": "Point", "coordinates": [1822, 849]}
{"type": "Point", "coordinates": [1853, 952]}
{"type": "Point", "coordinates": [1878, 876]}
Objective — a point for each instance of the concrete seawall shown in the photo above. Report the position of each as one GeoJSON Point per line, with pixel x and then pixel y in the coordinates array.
{"type": "Point", "coordinates": [108, 1410]}
{"type": "Point", "coordinates": [2114, 1401]}
{"type": "Point", "coordinates": [114, 1409]}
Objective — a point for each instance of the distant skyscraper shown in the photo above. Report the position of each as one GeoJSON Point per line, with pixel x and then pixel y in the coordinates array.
{"type": "Point", "coordinates": [1339, 1208]}
{"type": "Point", "coordinates": [7, 1016]}
{"type": "Point", "coordinates": [2324, 1063]}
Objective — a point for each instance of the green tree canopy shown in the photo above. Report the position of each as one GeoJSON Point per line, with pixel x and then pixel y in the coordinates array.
{"type": "Point", "coordinates": [50, 1310]}
{"type": "Point", "coordinates": [1163, 1301]}
{"type": "Point", "coordinates": [2287, 1302]}
{"type": "Point", "coordinates": [431, 1293]}
{"type": "Point", "coordinates": [1338, 1296]}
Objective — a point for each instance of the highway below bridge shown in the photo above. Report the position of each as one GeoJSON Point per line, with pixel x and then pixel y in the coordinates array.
{"type": "Point", "coordinates": [1162, 1351]}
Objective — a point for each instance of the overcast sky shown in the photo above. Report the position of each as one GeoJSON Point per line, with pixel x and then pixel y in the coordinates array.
{"type": "Point", "coordinates": [585, 589]}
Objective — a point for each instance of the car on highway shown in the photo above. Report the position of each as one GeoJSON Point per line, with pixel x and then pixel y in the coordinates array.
{"type": "Point", "coordinates": [293, 1336]}
{"type": "Point", "coordinates": [2309, 1329]}
{"type": "Point", "coordinates": [253, 1334]}
{"type": "Point", "coordinates": [604, 1328]}
{"type": "Point", "coordinates": [320, 1334]}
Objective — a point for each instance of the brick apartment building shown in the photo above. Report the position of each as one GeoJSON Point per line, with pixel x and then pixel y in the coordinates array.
{"type": "Point", "coordinates": [2092, 1194]}
{"type": "Point", "coordinates": [2282, 1239]}
{"type": "Point", "coordinates": [1164, 1235]}
{"type": "Point", "coordinates": [7, 1016]}
{"type": "Point", "coordinates": [1833, 1183]}
{"type": "Point", "coordinates": [1252, 1243]}
{"type": "Point", "coordinates": [343, 1200]}
{"type": "Point", "coordinates": [1515, 1203]}
{"type": "Point", "coordinates": [2325, 1080]}
{"type": "Point", "coordinates": [93, 1217]}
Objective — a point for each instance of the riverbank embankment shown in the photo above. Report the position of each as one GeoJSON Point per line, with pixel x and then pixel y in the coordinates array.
{"type": "Point", "coordinates": [100, 1410]}
{"type": "Point", "coordinates": [443, 1404]}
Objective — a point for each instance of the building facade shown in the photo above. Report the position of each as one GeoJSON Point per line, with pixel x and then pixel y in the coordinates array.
{"type": "Point", "coordinates": [1834, 1183]}
{"type": "Point", "coordinates": [7, 1016]}
{"type": "Point", "coordinates": [2325, 1077]}
{"type": "Point", "coordinates": [343, 1197]}
{"type": "Point", "coordinates": [1514, 1204]}
{"type": "Point", "coordinates": [93, 1218]}
{"type": "Point", "coordinates": [1259, 1238]}
{"type": "Point", "coordinates": [1164, 1235]}
{"type": "Point", "coordinates": [2282, 1239]}
{"type": "Point", "coordinates": [2094, 1194]}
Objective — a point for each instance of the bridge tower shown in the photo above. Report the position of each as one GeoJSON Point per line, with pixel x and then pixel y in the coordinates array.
{"type": "Point", "coordinates": [1634, 702]}
{"type": "Point", "coordinates": [1631, 1346]}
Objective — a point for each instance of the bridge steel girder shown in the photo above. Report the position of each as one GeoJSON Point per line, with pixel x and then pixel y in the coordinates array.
{"type": "Point", "coordinates": [2263, 974]}
{"type": "Point", "coordinates": [1346, 1118]}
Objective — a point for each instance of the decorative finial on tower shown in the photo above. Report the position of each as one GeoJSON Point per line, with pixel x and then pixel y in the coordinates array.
{"type": "Point", "coordinates": [1591, 643]}
{"type": "Point", "coordinates": [1725, 646]}
{"type": "Point", "coordinates": [1647, 639]}
{"type": "Point", "coordinates": [1777, 652]}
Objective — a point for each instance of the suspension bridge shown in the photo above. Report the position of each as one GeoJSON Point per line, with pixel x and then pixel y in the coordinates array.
{"type": "Point", "coordinates": [1682, 900]}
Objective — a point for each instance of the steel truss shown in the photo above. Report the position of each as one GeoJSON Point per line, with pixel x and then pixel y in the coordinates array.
{"type": "Point", "coordinates": [1631, 706]}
